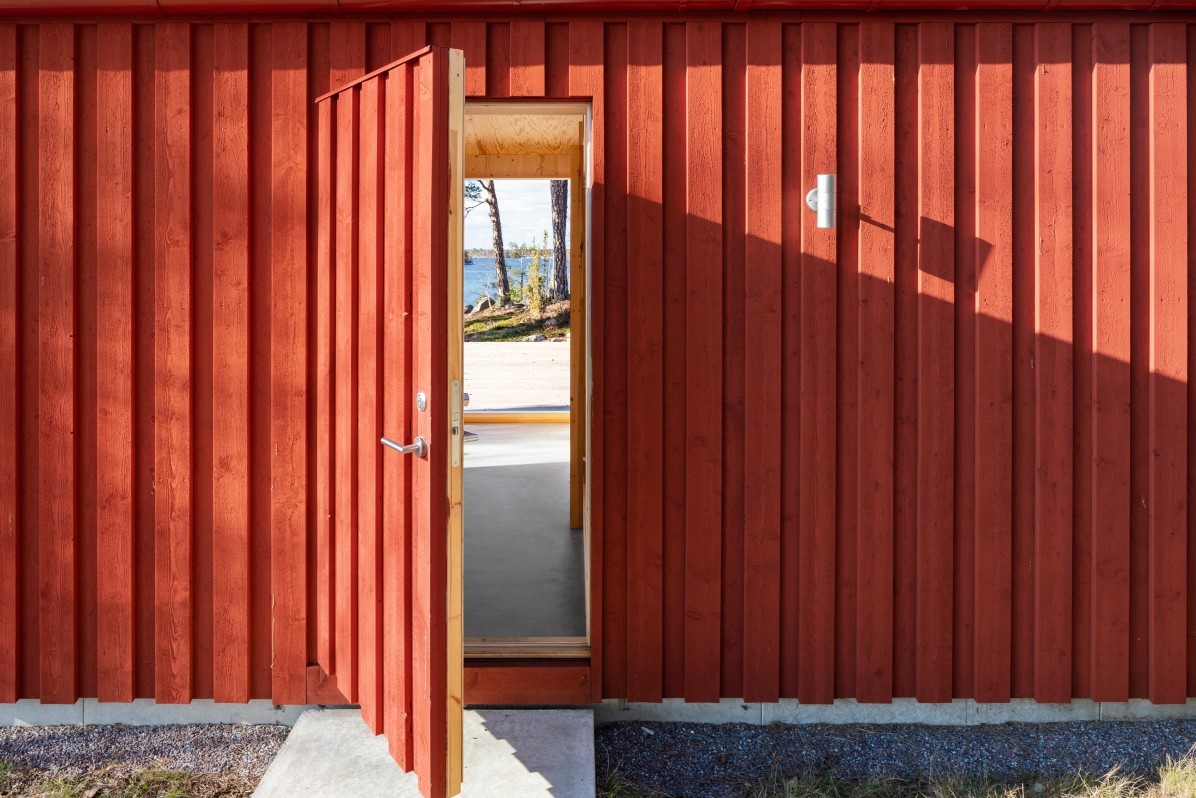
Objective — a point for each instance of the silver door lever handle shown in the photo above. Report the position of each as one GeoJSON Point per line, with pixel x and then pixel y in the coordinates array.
{"type": "Point", "coordinates": [418, 447]}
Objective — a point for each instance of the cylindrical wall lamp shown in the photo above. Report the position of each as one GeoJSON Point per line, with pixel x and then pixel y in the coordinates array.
{"type": "Point", "coordinates": [822, 199]}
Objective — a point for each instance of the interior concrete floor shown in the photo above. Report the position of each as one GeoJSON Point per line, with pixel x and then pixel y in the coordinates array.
{"type": "Point", "coordinates": [524, 566]}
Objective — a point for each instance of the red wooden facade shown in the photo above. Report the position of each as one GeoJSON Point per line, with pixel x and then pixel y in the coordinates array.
{"type": "Point", "coordinates": [946, 450]}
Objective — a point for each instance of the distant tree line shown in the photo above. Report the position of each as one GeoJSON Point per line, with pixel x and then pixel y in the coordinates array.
{"type": "Point", "coordinates": [483, 192]}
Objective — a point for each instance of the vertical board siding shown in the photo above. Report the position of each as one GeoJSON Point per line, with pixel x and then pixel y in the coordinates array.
{"type": "Point", "coordinates": [645, 362]}
{"type": "Point", "coordinates": [10, 418]}
{"type": "Point", "coordinates": [993, 309]}
{"type": "Point", "coordinates": [875, 274]}
{"type": "Point", "coordinates": [900, 458]}
{"type": "Point", "coordinates": [1053, 364]}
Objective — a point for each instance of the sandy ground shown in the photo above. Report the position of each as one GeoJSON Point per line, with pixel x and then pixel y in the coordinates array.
{"type": "Point", "coordinates": [517, 376]}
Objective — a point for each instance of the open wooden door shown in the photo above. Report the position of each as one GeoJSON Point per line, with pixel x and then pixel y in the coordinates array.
{"type": "Point", "coordinates": [389, 327]}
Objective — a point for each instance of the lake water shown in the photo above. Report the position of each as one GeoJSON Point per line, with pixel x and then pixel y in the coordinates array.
{"type": "Point", "coordinates": [479, 276]}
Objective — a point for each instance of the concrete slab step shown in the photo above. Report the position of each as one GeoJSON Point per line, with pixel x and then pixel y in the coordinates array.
{"type": "Point", "coordinates": [529, 753]}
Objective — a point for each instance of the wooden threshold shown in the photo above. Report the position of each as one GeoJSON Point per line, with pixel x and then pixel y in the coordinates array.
{"type": "Point", "coordinates": [523, 647]}
{"type": "Point", "coordinates": [517, 417]}
{"type": "Point", "coordinates": [528, 682]}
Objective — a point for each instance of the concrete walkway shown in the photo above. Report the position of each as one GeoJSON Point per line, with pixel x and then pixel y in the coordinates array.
{"type": "Point", "coordinates": [529, 753]}
{"type": "Point", "coordinates": [517, 376]}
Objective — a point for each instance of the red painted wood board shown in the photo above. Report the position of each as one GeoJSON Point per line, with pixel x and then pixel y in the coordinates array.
{"type": "Point", "coordinates": [10, 590]}
{"type": "Point", "coordinates": [994, 361]}
{"type": "Point", "coordinates": [703, 406]}
{"type": "Point", "coordinates": [645, 512]}
{"type": "Point", "coordinates": [1110, 366]}
{"type": "Point", "coordinates": [1053, 364]}
{"type": "Point", "coordinates": [762, 360]}
{"type": "Point", "coordinates": [816, 611]}
{"type": "Point", "coordinates": [1015, 626]}
{"type": "Point", "coordinates": [875, 295]}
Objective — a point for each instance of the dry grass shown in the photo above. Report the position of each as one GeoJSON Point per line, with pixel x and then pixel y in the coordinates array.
{"type": "Point", "coordinates": [1173, 779]}
{"type": "Point", "coordinates": [516, 323]}
{"type": "Point", "coordinates": [150, 782]}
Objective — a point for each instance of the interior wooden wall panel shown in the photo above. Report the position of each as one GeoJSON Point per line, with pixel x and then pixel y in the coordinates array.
{"type": "Point", "coordinates": [974, 349]}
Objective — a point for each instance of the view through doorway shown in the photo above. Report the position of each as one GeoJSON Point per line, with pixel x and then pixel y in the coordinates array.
{"type": "Point", "coordinates": [525, 368]}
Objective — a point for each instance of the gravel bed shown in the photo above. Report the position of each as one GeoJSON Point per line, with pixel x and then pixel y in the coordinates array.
{"type": "Point", "coordinates": [694, 760]}
{"type": "Point", "coordinates": [220, 750]}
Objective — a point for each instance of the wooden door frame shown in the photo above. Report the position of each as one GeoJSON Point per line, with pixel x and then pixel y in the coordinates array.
{"type": "Point", "coordinates": [575, 166]}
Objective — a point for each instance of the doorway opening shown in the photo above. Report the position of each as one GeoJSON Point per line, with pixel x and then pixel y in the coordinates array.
{"type": "Point", "coordinates": [526, 380]}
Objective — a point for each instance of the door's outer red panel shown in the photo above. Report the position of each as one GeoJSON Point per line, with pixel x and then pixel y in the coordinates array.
{"type": "Point", "coordinates": [383, 217]}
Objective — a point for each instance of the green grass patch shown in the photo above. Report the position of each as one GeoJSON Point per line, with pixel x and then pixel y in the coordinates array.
{"type": "Point", "coordinates": [516, 323]}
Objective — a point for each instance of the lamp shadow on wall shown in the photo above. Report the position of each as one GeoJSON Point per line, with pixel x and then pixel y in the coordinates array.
{"type": "Point", "coordinates": [1028, 480]}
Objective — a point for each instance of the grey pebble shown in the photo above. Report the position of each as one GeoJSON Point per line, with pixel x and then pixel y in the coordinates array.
{"type": "Point", "coordinates": [203, 749]}
{"type": "Point", "coordinates": [693, 760]}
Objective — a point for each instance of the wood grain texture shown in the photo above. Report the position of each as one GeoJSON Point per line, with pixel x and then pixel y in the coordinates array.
{"type": "Point", "coordinates": [56, 372]}
{"type": "Point", "coordinates": [324, 537]}
{"type": "Point", "coordinates": [793, 211]}
{"type": "Point", "coordinates": [613, 367]}
{"type": "Point", "coordinates": [1053, 364]}
{"type": "Point", "coordinates": [370, 195]}
{"type": "Point", "coordinates": [230, 364]}
{"type": "Point", "coordinates": [172, 365]}
{"type": "Point", "coordinates": [469, 36]}
{"type": "Point", "coordinates": [734, 399]}
{"type": "Point", "coordinates": [994, 361]}
{"type": "Point", "coordinates": [397, 391]}
{"type": "Point", "coordinates": [905, 365]}
{"type": "Point", "coordinates": [1110, 367]}
{"type": "Point", "coordinates": [289, 337]}
{"type": "Point", "coordinates": [561, 683]}
{"type": "Point", "coordinates": [847, 350]}
{"type": "Point", "coordinates": [586, 80]}
{"type": "Point", "coordinates": [1032, 597]}
{"type": "Point", "coordinates": [1082, 357]}
{"type": "Point", "coordinates": [1024, 247]}
{"type": "Point", "coordinates": [673, 323]}
{"type": "Point", "coordinates": [1170, 341]}
{"type": "Point", "coordinates": [430, 361]}
{"type": "Point", "coordinates": [762, 360]}
{"type": "Point", "coordinates": [645, 362]}
{"type": "Point", "coordinates": [875, 275]}
{"type": "Point", "coordinates": [963, 602]}
{"type": "Point", "coordinates": [86, 347]}
{"type": "Point", "coordinates": [703, 406]}
{"type": "Point", "coordinates": [9, 454]}
{"type": "Point", "coordinates": [818, 377]}
{"type": "Point", "coordinates": [936, 296]}
{"type": "Point", "coordinates": [115, 543]}
{"type": "Point", "coordinates": [345, 376]}
{"type": "Point", "coordinates": [527, 58]}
